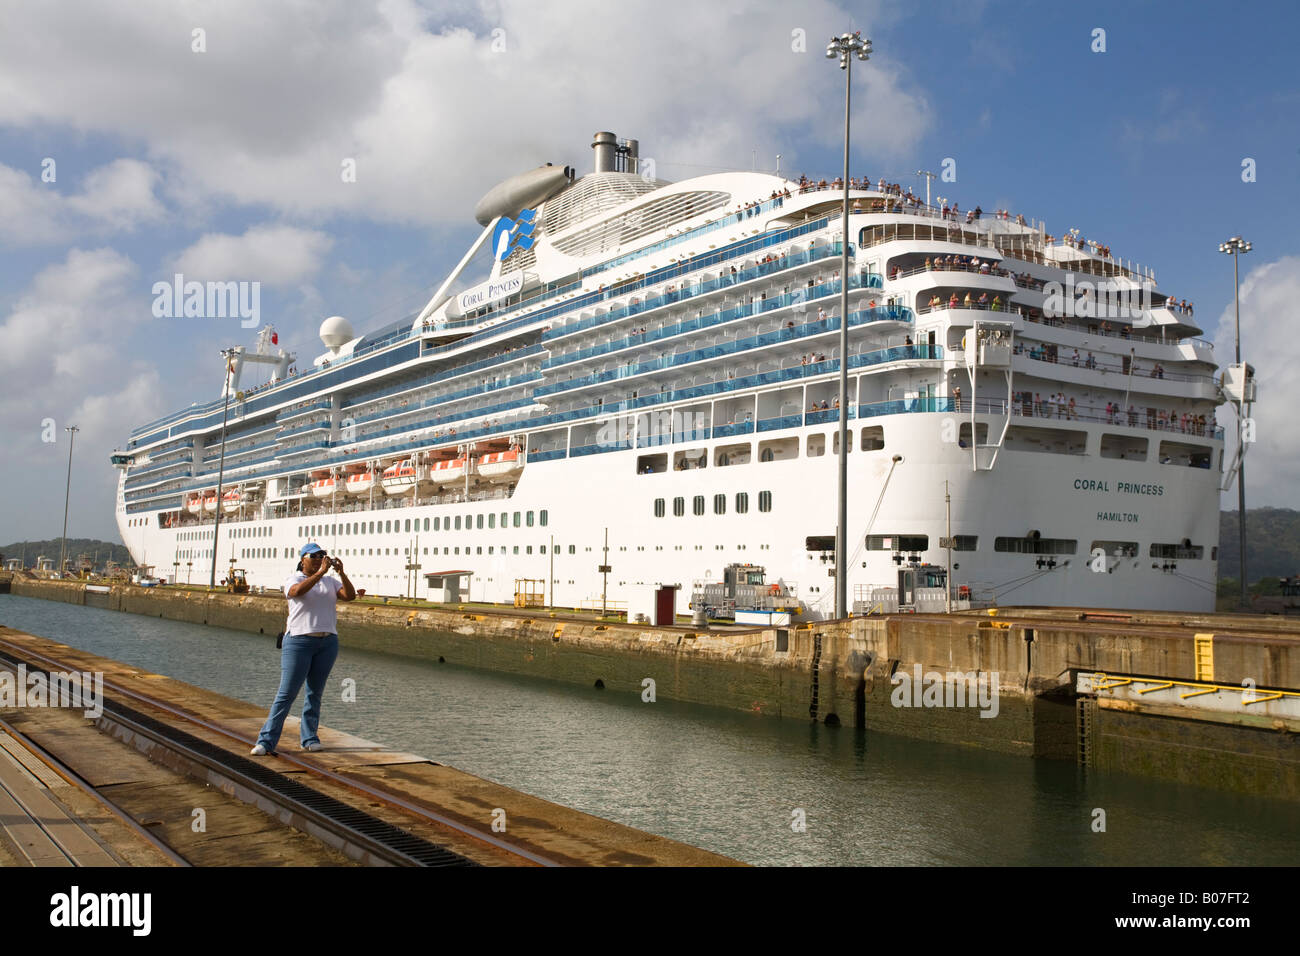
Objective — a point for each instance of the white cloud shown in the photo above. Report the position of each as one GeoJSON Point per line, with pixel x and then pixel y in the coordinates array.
{"type": "Point", "coordinates": [1269, 294]}
{"type": "Point", "coordinates": [274, 255]}
{"type": "Point", "coordinates": [70, 306]}
{"type": "Point", "coordinates": [113, 198]}
{"type": "Point", "coordinates": [62, 358]}
{"type": "Point", "coordinates": [433, 116]}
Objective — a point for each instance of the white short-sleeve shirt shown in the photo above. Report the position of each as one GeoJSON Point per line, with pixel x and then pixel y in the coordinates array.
{"type": "Point", "coordinates": [317, 610]}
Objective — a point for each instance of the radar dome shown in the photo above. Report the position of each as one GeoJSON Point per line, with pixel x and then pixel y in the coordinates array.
{"type": "Point", "coordinates": [336, 332]}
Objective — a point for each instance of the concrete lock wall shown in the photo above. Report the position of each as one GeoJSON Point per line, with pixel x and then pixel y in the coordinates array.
{"type": "Point", "coordinates": [844, 672]}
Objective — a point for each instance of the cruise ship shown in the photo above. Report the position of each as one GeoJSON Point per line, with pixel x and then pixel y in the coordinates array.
{"type": "Point", "coordinates": [629, 383]}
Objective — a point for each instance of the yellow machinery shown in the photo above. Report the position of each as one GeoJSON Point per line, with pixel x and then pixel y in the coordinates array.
{"type": "Point", "coordinates": [236, 582]}
{"type": "Point", "coordinates": [530, 592]}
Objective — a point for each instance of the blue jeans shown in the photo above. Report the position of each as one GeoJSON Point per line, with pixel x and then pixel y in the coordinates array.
{"type": "Point", "coordinates": [301, 659]}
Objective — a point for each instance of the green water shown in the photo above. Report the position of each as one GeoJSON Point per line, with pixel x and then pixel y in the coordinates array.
{"type": "Point", "coordinates": [724, 781]}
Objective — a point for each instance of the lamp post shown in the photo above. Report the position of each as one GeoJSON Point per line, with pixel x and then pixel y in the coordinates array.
{"type": "Point", "coordinates": [227, 354]}
{"type": "Point", "coordinates": [844, 48]}
{"type": "Point", "coordinates": [1237, 247]}
{"type": "Point", "coordinates": [67, 492]}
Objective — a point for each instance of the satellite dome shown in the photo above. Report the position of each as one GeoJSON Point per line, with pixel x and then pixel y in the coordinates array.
{"type": "Point", "coordinates": [336, 332]}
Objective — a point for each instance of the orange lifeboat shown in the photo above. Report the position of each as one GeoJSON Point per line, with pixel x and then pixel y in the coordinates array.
{"type": "Point", "coordinates": [230, 501]}
{"type": "Point", "coordinates": [210, 502]}
{"type": "Point", "coordinates": [403, 477]}
{"type": "Point", "coordinates": [448, 471]}
{"type": "Point", "coordinates": [360, 483]}
{"type": "Point", "coordinates": [501, 465]}
{"type": "Point", "coordinates": [194, 504]}
{"type": "Point", "coordinates": [323, 487]}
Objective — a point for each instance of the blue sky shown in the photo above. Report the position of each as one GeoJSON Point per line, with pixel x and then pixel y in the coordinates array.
{"type": "Point", "coordinates": [226, 162]}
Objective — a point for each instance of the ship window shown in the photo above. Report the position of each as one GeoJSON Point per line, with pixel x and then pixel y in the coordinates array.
{"type": "Point", "coordinates": [458, 526]}
{"type": "Point", "coordinates": [1185, 551]}
{"type": "Point", "coordinates": [529, 549]}
{"type": "Point", "coordinates": [873, 438]}
{"type": "Point", "coordinates": [573, 549]}
{"type": "Point", "coordinates": [679, 507]}
{"type": "Point", "coordinates": [505, 516]}
{"type": "Point", "coordinates": [437, 524]}
{"type": "Point", "coordinates": [492, 520]}
{"type": "Point", "coordinates": [699, 504]}
{"type": "Point", "coordinates": [478, 521]}
{"type": "Point", "coordinates": [765, 501]}
{"type": "Point", "coordinates": [719, 504]}
{"type": "Point", "coordinates": [1116, 549]}
{"type": "Point", "coordinates": [742, 502]}
{"type": "Point", "coordinates": [898, 542]}
{"type": "Point", "coordinates": [965, 542]}
{"type": "Point", "coordinates": [491, 549]}
{"type": "Point", "coordinates": [1035, 545]}
{"type": "Point", "coordinates": [516, 519]}
{"type": "Point", "coordinates": [545, 517]}
{"type": "Point", "coordinates": [388, 526]}
{"type": "Point", "coordinates": [426, 524]}
{"type": "Point", "coordinates": [479, 549]}
{"type": "Point", "coordinates": [408, 524]}
{"type": "Point", "coordinates": [516, 549]}
{"type": "Point", "coordinates": [457, 551]}
{"type": "Point", "coordinates": [816, 446]}
{"type": "Point", "coordinates": [659, 507]}
{"type": "Point", "coordinates": [529, 519]}
{"type": "Point", "coordinates": [372, 527]}
{"type": "Point", "coordinates": [469, 522]}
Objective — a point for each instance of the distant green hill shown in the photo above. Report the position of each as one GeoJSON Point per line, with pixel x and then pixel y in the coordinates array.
{"type": "Point", "coordinates": [29, 551]}
{"type": "Point", "coordinates": [1272, 543]}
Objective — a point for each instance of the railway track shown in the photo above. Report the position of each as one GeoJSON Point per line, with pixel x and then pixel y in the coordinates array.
{"type": "Point", "coordinates": [362, 836]}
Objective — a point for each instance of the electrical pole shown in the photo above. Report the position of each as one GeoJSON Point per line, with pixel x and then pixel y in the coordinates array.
{"type": "Point", "coordinates": [221, 469]}
{"type": "Point", "coordinates": [67, 493]}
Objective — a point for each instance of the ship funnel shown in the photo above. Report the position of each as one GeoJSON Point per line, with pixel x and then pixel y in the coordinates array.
{"type": "Point", "coordinates": [606, 147]}
{"type": "Point", "coordinates": [615, 157]}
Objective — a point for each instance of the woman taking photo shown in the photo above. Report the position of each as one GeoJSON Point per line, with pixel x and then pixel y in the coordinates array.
{"type": "Point", "coordinates": [311, 644]}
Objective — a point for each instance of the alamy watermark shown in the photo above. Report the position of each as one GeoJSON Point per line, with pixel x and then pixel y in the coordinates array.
{"type": "Point", "coordinates": [1103, 299]}
{"type": "Point", "coordinates": [75, 689]}
{"type": "Point", "coordinates": [953, 689]}
{"type": "Point", "coordinates": [211, 300]}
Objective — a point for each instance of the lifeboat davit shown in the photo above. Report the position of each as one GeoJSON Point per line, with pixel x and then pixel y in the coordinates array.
{"type": "Point", "coordinates": [501, 465]}
{"type": "Point", "coordinates": [194, 504]}
{"type": "Point", "coordinates": [403, 477]}
{"type": "Point", "coordinates": [323, 487]}
{"type": "Point", "coordinates": [230, 501]}
{"type": "Point", "coordinates": [210, 502]}
{"type": "Point", "coordinates": [449, 471]}
{"type": "Point", "coordinates": [361, 483]}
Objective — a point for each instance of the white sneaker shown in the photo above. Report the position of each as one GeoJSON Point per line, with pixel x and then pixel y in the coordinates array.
{"type": "Point", "coordinates": [313, 747]}
{"type": "Point", "coordinates": [258, 751]}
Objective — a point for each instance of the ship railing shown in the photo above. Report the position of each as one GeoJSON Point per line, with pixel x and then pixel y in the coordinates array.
{"type": "Point", "coordinates": [442, 375]}
{"type": "Point", "coordinates": [958, 267]}
{"type": "Point", "coordinates": [1039, 354]}
{"type": "Point", "coordinates": [1146, 418]}
{"type": "Point", "coordinates": [820, 327]}
{"type": "Point", "coordinates": [436, 400]}
{"type": "Point", "coordinates": [722, 316]}
{"type": "Point", "coordinates": [736, 250]}
{"type": "Point", "coordinates": [703, 287]}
